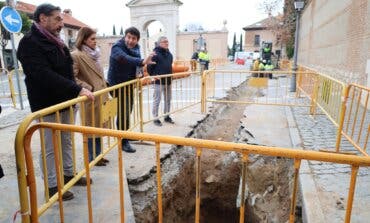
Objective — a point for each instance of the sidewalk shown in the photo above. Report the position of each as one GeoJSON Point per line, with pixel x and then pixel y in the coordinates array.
{"type": "Point", "coordinates": [325, 185]}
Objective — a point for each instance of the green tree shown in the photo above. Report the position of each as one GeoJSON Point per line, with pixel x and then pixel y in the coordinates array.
{"type": "Point", "coordinates": [26, 23]}
{"type": "Point", "coordinates": [121, 31]}
{"type": "Point", "coordinates": [229, 51]}
{"type": "Point", "coordinates": [241, 43]}
{"type": "Point", "coordinates": [114, 30]}
{"type": "Point", "coordinates": [233, 48]}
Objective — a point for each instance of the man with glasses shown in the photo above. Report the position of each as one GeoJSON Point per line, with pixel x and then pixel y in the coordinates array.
{"type": "Point", "coordinates": [163, 65]}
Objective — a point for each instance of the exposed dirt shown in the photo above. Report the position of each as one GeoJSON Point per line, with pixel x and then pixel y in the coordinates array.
{"type": "Point", "coordinates": [268, 178]}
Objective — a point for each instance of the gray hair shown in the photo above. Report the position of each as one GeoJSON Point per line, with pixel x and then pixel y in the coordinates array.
{"type": "Point", "coordinates": [161, 38]}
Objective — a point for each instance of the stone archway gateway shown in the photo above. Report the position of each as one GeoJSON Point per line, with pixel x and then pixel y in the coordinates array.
{"type": "Point", "coordinates": [144, 12]}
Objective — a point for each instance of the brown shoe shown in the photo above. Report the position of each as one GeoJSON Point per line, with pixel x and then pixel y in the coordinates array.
{"type": "Point", "coordinates": [105, 160]}
{"type": "Point", "coordinates": [81, 182]}
{"type": "Point", "coordinates": [65, 197]}
{"type": "Point", "coordinates": [100, 163]}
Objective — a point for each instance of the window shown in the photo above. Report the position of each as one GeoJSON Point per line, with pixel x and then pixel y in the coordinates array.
{"type": "Point", "coordinates": [256, 40]}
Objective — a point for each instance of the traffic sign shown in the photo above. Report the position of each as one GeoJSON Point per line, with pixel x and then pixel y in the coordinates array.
{"type": "Point", "coordinates": [11, 19]}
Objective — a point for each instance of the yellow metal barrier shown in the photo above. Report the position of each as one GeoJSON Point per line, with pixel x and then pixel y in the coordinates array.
{"type": "Point", "coordinates": [14, 91]}
{"type": "Point", "coordinates": [6, 86]}
{"type": "Point", "coordinates": [31, 213]}
{"type": "Point", "coordinates": [219, 82]}
{"type": "Point", "coordinates": [192, 64]}
{"type": "Point", "coordinates": [355, 120]}
{"type": "Point", "coordinates": [285, 64]}
{"type": "Point", "coordinates": [186, 92]}
{"type": "Point", "coordinates": [325, 92]}
{"type": "Point", "coordinates": [332, 96]}
{"type": "Point", "coordinates": [69, 108]}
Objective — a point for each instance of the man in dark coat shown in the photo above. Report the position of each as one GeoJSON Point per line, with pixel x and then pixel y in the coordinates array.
{"type": "Point", "coordinates": [47, 64]}
{"type": "Point", "coordinates": [163, 65]}
{"type": "Point", "coordinates": [124, 63]}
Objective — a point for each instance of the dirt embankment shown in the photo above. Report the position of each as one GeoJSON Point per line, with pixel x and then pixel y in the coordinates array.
{"type": "Point", "coordinates": [268, 178]}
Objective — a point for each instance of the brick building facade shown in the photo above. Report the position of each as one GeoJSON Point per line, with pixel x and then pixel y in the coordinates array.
{"type": "Point", "coordinates": [261, 31]}
{"type": "Point", "coordinates": [334, 38]}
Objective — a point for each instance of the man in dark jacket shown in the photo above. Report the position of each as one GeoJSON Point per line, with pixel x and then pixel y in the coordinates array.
{"type": "Point", "coordinates": [47, 64]}
{"type": "Point", "coordinates": [124, 63]}
{"type": "Point", "coordinates": [163, 65]}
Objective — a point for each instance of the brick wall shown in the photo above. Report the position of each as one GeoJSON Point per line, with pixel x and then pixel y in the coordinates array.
{"type": "Point", "coordinates": [216, 44]}
{"type": "Point", "coordinates": [334, 38]}
{"type": "Point", "coordinates": [265, 35]}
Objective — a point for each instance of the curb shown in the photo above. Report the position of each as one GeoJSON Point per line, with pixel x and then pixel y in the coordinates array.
{"type": "Point", "coordinates": [311, 207]}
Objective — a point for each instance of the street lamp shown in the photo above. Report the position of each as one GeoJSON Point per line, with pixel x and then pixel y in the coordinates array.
{"type": "Point", "coordinates": [298, 5]}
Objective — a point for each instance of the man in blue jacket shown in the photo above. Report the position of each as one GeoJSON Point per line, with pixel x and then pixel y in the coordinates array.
{"type": "Point", "coordinates": [163, 65]}
{"type": "Point", "coordinates": [124, 62]}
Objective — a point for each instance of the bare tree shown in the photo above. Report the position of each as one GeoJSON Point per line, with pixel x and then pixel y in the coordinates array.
{"type": "Point", "coordinates": [283, 26]}
{"type": "Point", "coordinates": [270, 6]}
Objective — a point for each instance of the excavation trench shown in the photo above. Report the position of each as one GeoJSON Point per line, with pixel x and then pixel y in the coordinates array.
{"type": "Point", "coordinates": [268, 178]}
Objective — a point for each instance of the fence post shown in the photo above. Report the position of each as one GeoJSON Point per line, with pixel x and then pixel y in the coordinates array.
{"type": "Point", "coordinates": [299, 82]}
{"type": "Point", "coordinates": [21, 171]}
{"type": "Point", "coordinates": [314, 95]}
{"type": "Point", "coordinates": [11, 87]}
{"type": "Point", "coordinates": [342, 116]}
{"type": "Point", "coordinates": [203, 92]}
{"type": "Point", "coordinates": [140, 87]}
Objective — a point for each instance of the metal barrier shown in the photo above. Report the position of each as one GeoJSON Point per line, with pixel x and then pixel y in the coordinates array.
{"type": "Point", "coordinates": [218, 82]}
{"type": "Point", "coordinates": [218, 62]}
{"type": "Point", "coordinates": [193, 64]}
{"type": "Point", "coordinates": [285, 64]}
{"type": "Point", "coordinates": [325, 92]}
{"type": "Point", "coordinates": [66, 113]}
{"type": "Point", "coordinates": [355, 120]}
{"type": "Point", "coordinates": [17, 89]}
{"type": "Point", "coordinates": [32, 213]}
{"type": "Point", "coordinates": [185, 92]}
{"type": "Point", "coordinates": [6, 86]}
{"type": "Point", "coordinates": [134, 94]}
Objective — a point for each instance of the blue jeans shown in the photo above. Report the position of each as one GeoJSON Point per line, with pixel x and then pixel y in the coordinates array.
{"type": "Point", "coordinates": [90, 147]}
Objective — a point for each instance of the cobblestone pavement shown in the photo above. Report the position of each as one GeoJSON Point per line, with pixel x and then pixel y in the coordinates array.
{"type": "Point", "coordinates": [332, 180]}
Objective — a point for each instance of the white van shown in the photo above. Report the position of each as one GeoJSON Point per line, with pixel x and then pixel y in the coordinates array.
{"type": "Point", "coordinates": [246, 56]}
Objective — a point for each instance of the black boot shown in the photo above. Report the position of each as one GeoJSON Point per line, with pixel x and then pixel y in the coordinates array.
{"type": "Point", "coordinates": [65, 197]}
{"type": "Point", "coordinates": [168, 119]}
{"type": "Point", "coordinates": [127, 147]}
{"type": "Point", "coordinates": [81, 182]}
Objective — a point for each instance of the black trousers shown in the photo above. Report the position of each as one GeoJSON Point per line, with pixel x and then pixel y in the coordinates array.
{"type": "Point", "coordinates": [125, 104]}
{"type": "Point", "coordinates": [1, 172]}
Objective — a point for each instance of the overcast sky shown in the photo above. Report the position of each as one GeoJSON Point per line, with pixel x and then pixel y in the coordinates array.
{"type": "Point", "coordinates": [209, 13]}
